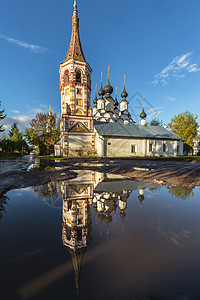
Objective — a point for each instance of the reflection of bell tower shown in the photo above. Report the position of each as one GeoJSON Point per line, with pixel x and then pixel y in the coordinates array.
{"type": "Point", "coordinates": [75, 89]}
{"type": "Point", "coordinates": [76, 230]}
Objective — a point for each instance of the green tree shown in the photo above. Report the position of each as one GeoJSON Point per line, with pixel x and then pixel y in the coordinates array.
{"type": "Point", "coordinates": [15, 142]}
{"type": "Point", "coordinates": [38, 136]}
{"type": "Point", "coordinates": [181, 192]}
{"type": "Point", "coordinates": [155, 122]}
{"type": "Point", "coordinates": [2, 116]}
{"type": "Point", "coordinates": [14, 130]}
{"type": "Point", "coordinates": [185, 125]}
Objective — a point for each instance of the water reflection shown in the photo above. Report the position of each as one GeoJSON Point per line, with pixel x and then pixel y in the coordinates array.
{"type": "Point", "coordinates": [108, 193]}
{"type": "Point", "coordinates": [3, 202]}
{"type": "Point", "coordinates": [140, 239]}
{"type": "Point", "coordinates": [181, 192]}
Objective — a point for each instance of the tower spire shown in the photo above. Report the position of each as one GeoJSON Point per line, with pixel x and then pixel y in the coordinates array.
{"type": "Point", "coordinates": [75, 49]}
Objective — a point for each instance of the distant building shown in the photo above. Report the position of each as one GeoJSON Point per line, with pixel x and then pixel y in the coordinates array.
{"type": "Point", "coordinates": [107, 129]}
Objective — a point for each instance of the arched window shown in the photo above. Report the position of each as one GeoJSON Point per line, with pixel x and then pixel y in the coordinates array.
{"type": "Point", "coordinates": [78, 76]}
{"type": "Point", "coordinates": [66, 76]}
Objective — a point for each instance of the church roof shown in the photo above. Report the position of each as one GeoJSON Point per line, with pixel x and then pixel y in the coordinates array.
{"type": "Point", "coordinates": [134, 130]}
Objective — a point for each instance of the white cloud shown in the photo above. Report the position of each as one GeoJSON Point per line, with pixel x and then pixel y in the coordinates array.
{"type": "Point", "coordinates": [22, 121]}
{"type": "Point", "coordinates": [33, 48]}
{"type": "Point", "coordinates": [178, 67]}
{"type": "Point", "coordinates": [153, 112]}
{"type": "Point", "coordinates": [169, 99]}
{"type": "Point", "coordinates": [15, 111]}
{"type": "Point", "coordinates": [44, 106]}
{"type": "Point", "coordinates": [38, 110]}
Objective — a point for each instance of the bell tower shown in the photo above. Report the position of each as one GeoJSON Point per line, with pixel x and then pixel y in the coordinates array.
{"type": "Point", "coordinates": [76, 125]}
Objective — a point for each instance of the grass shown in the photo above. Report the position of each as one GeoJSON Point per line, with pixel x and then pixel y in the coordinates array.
{"type": "Point", "coordinates": [152, 158]}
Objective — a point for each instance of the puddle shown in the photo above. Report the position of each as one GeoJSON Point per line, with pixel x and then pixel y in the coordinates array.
{"type": "Point", "coordinates": [102, 236]}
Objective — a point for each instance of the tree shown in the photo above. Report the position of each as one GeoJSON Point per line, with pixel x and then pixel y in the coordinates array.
{"type": "Point", "coordinates": [38, 136]}
{"type": "Point", "coordinates": [3, 203]}
{"type": "Point", "coordinates": [156, 122]}
{"type": "Point", "coordinates": [181, 192]}
{"type": "Point", "coordinates": [2, 116]}
{"type": "Point", "coordinates": [185, 125]}
{"type": "Point", "coordinates": [15, 142]}
{"type": "Point", "coordinates": [39, 123]}
{"type": "Point", "coordinates": [14, 130]}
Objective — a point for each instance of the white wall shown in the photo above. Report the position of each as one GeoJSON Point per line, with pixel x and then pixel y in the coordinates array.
{"type": "Point", "coordinates": [79, 144]}
{"type": "Point", "coordinates": [122, 147]}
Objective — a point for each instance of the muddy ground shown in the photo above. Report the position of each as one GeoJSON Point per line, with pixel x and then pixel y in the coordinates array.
{"type": "Point", "coordinates": [17, 173]}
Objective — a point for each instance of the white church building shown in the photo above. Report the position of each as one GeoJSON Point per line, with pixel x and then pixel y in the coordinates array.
{"type": "Point", "coordinates": [108, 129]}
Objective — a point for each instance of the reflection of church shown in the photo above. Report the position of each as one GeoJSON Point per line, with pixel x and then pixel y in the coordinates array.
{"type": "Point", "coordinates": [108, 193]}
{"type": "Point", "coordinates": [107, 129]}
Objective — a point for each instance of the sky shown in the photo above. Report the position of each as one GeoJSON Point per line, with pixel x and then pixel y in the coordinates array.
{"type": "Point", "coordinates": [155, 43]}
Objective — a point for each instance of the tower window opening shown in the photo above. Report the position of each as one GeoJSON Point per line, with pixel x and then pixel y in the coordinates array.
{"type": "Point", "coordinates": [78, 76]}
{"type": "Point", "coordinates": [79, 234]}
{"type": "Point", "coordinates": [164, 147]}
{"type": "Point", "coordinates": [66, 76]}
{"type": "Point", "coordinates": [150, 147]}
{"type": "Point", "coordinates": [69, 234]}
{"type": "Point", "coordinates": [69, 204]}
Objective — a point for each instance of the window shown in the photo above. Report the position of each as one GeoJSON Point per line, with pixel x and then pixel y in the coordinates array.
{"type": "Point", "coordinates": [164, 147]}
{"type": "Point", "coordinates": [150, 147]}
{"type": "Point", "coordinates": [69, 204]}
{"type": "Point", "coordinates": [109, 144]}
{"type": "Point", "coordinates": [79, 92]}
{"type": "Point", "coordinates": [68, 234]}
{"type": "Point", "coordinates": [66, 76]}
{"type": "Point", "coordinates": [133, 148]}
{"type": "Point", "coordinates": [78, 76]}
{"type": "Point", "coordinates": [177, 149]}
{"type": "Point", "coordinates": [79, 234]}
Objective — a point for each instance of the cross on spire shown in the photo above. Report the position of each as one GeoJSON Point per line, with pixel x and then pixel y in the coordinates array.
{"type": "Point", "coordinates": [143, 103]}
{"type": "Point", "coordinates": [75, 5]}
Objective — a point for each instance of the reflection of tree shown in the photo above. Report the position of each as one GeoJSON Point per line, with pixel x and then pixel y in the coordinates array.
{"type": "Point", "coordinates": [49, 190]}
{"type": "Point", "coordinates": [3, 203]}
{"type": "Point", "coordinates": [182, 192]}
{"type": "Point", "coordinates": [154, 189]}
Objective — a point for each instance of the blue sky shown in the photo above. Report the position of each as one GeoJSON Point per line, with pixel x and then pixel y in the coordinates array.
{"type": "Point", "coordinates": [155, 43]}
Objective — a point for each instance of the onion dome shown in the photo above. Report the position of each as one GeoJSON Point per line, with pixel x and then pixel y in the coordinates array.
{"type": "Point", "coordinates": [124, 94]}
{"type": "Point", "coordinates": [141, 198]}
{"type": "Point", "coordinates": [95, 99]}
{"type": "Point", "coordinates": [108, 89]}
{"type": "Point", "coordinates": [101, 91]}
{"type": "Point", "coordinates": [143, 114]}
{"type": "Point", "coordinates": [116, 103]}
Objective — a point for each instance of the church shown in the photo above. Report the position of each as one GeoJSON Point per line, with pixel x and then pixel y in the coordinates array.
{"type": "Point", "coordinates": [107, 129]}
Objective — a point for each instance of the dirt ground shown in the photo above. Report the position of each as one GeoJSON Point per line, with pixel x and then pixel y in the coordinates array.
{"type": "Point", "coordinates": [18, 173]}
